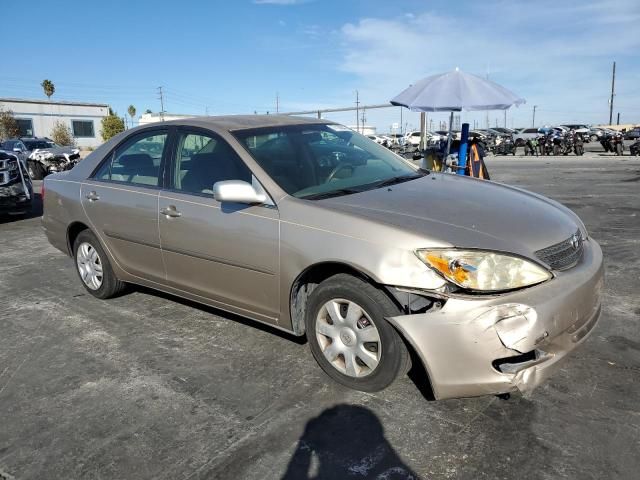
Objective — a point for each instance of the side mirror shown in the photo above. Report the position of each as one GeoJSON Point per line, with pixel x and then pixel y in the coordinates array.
{"type": "Point", "coordinates": [237, 191]}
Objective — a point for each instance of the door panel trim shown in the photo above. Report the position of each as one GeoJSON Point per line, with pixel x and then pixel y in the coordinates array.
{"type": "Point", "coordinates": [130, 239]}
{"type": "Point", "coordinates": [189, 253]}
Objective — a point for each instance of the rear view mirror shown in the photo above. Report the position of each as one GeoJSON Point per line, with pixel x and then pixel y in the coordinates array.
{"type": "Point", "coordinates": [237, 191]}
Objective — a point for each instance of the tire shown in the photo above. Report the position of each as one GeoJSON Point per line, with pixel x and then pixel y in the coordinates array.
{"type": "Point", "coordinates": [36, 171]}
{"type": "Point", "coordinates": [619, 149]}
{"type": "Point", "coordinates": [106, 285]}
{"type": "Point", "coordinates": [556, 150]}
{"type": "Point", "coordinates": [388, 351]}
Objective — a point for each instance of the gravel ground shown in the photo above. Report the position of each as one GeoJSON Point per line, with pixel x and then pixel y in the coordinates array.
{"type": "Point", "coordinates": [148, 386]}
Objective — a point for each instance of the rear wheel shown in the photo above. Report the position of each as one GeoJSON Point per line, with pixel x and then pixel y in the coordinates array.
{"type": "Point", "coordinates": [93, 267]}
{"type": "Point", "coordinates": [619, 149]}
{"type": "Point", "coordinates": [556, 150]}
{"type": "Point", "coordinates": [349, 336]}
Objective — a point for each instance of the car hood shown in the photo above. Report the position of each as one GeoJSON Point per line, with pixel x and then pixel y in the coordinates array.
{"type": "Point", "coordinates": [57, 150]}
{"type": "Point", "coordinates": [452, 210]}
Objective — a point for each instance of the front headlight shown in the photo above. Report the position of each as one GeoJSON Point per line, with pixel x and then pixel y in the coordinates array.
{"type": "Point", "coordinates": [484, 271]}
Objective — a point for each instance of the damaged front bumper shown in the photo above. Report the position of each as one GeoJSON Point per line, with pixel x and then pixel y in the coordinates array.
{"type": "Point", "coordinates": [479, 345]}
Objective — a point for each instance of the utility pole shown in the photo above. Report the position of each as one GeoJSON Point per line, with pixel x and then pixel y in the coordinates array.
{"type": "Point", "coordinates": [401, 132]}
{"type": "Point", "coordinates": [364, 120]}
{"type": "Point", "coordinates": [618, 122]}
{"type": "Point", "coordinates": [613, 93]}
{"type": "Point", "coordinates": [277, 103]}
{"type": "Point", "coordinates": [505, 119]}
{"type": "Point", "coordinates": [533, 123]}
{"type": "Point", "coordinates": [161, 96]}
{"type": "Point", "coordinates": [357, 112]}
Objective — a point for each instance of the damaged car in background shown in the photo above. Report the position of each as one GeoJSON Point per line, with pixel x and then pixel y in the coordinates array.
{"type": "Point", "coordinates": [46, 157]}
{"type": "Point", "coordinates": [16, 189]}
{"type": "Point", "coordinates": [314, 229]}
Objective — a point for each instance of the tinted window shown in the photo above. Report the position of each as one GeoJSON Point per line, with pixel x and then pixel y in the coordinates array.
{"type": "Point", "coordinates": [136, 162]}
{"type": "Point", "coordinates": [82, 128]}
{"type": "Point", "coordinates": [202, 160]}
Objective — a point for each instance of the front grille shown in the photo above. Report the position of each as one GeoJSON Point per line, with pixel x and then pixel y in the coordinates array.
{"type": "Point", "coordinates": [565, 254]}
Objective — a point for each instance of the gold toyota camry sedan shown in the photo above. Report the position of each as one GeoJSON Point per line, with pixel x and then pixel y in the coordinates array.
{"type": "Point", "coordinates": [314, 229]}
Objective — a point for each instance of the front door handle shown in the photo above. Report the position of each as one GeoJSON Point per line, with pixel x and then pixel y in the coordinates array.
{"type": "Point", "coordinates": [92, 196]}
{"type": "Point", "coordinates": [170, 212]}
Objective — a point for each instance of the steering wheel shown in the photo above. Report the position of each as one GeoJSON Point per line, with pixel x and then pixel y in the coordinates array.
{"type": "Point", "coordinates": [341, 166]}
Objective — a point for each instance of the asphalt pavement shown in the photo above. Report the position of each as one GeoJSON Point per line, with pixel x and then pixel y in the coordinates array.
{"type": "Point", "coordinates": [148, 386]}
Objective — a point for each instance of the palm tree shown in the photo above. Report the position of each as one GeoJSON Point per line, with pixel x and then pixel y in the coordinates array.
{"type": "Point", "coordinates": [49, 88]}
{"type": "Point", "coordinates": [132, 113]}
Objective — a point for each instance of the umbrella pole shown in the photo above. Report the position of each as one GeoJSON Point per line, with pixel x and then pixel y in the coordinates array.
{"type": "Point", "coordinates": [450, 133]}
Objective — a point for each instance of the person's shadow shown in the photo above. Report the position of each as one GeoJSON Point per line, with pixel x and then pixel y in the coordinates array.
{"type": "Point", "coordinates": [346, 441]}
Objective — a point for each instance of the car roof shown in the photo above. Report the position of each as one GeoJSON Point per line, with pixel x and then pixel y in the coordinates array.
{"type": "Point", "coordinates": [242, 122]}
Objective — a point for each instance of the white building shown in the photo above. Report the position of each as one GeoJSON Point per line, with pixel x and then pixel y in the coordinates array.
{"type": "Point", "coordinates": [36, 118]}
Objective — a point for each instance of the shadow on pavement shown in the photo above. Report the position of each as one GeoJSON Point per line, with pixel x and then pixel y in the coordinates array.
{"type": "Point", "coordinates": [346, 441]}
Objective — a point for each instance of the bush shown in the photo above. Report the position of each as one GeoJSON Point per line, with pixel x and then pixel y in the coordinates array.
{"type": "Point", "coordinates": [8, 125]}
{"type": "Point", "coordinates": [111, 126]}
{"type": "Point", "coordinates": [62, 135]}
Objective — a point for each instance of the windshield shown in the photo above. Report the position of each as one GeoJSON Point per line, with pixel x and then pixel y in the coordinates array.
{"type": "Point", "coordinates": [318, 161]}
{"type": "Point", "coordinates": [33, 144]}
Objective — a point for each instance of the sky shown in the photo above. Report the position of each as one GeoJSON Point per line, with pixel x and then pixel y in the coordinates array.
{"type": "Point", "coordinates": [227, 57]}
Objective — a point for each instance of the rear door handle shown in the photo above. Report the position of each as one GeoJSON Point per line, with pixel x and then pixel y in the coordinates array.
{"type": "Point", "coordinates": [170, 212]}
{"type": "Point", "coordinates": [92, 196]}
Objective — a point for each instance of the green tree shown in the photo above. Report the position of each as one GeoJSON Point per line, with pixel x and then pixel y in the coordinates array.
{"type": "Point", "coordinates": [111, 125]}
{"type": "Point", "coordinates": [49, 88]}
{"type": "Point", "coordinates": [132, 113]}
{"type": "Point", "coordinates": [8, 125]}
{"type": "Point", "coordinates": [62, 135]}
{"type": "Point", "coordinates": [148, 110]}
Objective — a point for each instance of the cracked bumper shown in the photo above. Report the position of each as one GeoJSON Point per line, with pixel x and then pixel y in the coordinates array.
{"type": "Point", "coordinates": [460, 344]}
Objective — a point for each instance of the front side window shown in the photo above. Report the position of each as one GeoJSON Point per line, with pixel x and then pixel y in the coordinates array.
{"type": "Point", "coordinates": [202, 160]}
{"type": "Point", "coordinates": [136, 162]}
{"type": "Point", "coordinates": [82, 128]}
{"type": "Point", "coordinates": [317, 161]}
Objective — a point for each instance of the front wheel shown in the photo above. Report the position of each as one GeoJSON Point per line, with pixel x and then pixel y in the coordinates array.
{"type": "Point", "coordinates": [349, 336]}
{"type": "Point", "coordinates": [556, 150]}
{"type": "Point", "coordinates": [93, 267]}
{"type": "Point", "coordinates": [36, 170]}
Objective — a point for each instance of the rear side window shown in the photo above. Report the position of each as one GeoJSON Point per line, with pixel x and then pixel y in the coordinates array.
{"type": "Point", "coordinates": [136, 162]}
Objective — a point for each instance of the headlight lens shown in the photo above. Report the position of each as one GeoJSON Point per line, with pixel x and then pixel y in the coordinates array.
{"type": "Point", "coordinates": [484, 271]}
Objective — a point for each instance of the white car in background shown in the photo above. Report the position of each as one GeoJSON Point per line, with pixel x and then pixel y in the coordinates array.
{"type": "Point", "coordinates": [521, 137]}
{"type": "Point", "coordinates": [412, 138]}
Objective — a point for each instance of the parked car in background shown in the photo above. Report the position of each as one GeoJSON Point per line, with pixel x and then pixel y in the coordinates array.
{"type": "Point", "coordinates": [578, 128]}
{"type": "Point", "coordinates": [521, 137]}
{"type": "Point", "coordinates": [16, 147]}
{"type": "Point", "coordinates": [632, 134]}
{"type": "Point", "coordinates": [46, 157]}
{"type": "Point", "coordinates": [412, 138]}
{"type": "Point", "coordinates": [16, 188]}
{"type": "Point", "coordinates": [314, 229]}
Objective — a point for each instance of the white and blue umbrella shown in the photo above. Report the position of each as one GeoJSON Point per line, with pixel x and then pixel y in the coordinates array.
{"type": "Point", "coordinates": [453, 92]}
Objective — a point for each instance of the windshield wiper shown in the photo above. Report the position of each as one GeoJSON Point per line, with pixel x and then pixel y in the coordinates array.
{"type": "Point", "coordinates": [333, 193]}
{"type": "Point", "coordinates": [396, 180]}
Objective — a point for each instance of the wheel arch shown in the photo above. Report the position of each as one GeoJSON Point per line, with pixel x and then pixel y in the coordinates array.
{"type": "Point", "coordinates": [73, 230]}
{"type": "Point", "coordinates": [311, 277]}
